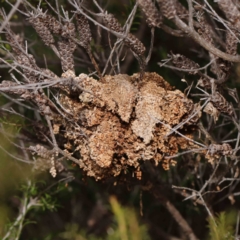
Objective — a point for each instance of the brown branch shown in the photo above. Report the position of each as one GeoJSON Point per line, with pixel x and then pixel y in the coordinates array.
{"type": "Point", "coordinates": [193, 34]}
{"type": "Point", "coordinates": [180, 220]}
{"type": "Point", "coordinates": [231, 11]}
{"type": "Point", "coordinates": [172, 210]}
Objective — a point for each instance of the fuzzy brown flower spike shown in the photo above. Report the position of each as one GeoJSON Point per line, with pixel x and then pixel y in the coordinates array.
{"type": "Point", "coordinates": [183, 62]}
{"type": "Point", "coordinates": [167, 7]}
{"type": "Point", "coordinates": [222, 104]}
{"type": "Point", "coordinates": [231, 11]}
{"type": "Point", "coordinates": [154, 19]}
{"type": "Point", "coordinates": [84, 31]}
{"type": "Point", "coordinates": [67, 46]}
{"type": "Point", "coordinates": [66, 49]}
{"type": "Point", "coordinates": [85, 38]}
{"type": "Point", "coordinates": [38, 22]}
{"type": "Point", "coordinates": [130, 41]}
{"type": "Point", "coordinates": [53, 24]}
{"type": "Point", "coordinates": [112, 23]}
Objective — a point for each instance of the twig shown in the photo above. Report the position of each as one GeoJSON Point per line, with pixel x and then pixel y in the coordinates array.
{"type": "Point", "coordinates": [26, 206]}
{"type": "Point", "coordinates": [188, 119]}
{"type": "Point", "coordinates": [151, 45]}
{"type": "Point", "coordinates": [237, 225]}
{"type": "Point", "coordinates": [173, 211]}
{"type": "Point", "coordinates": [13, 10]}
{"type": "Point", "coordinates": [208, 46]}
{"type": "Point", "coordinates": [190, 16]}
{"type": "Point", "coordinates": [186, 70]}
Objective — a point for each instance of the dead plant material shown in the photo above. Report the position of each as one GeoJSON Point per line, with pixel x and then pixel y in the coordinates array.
{"type": "Point", "coordinates": [183, 62]}
{"type": "Point", "coordinates": [215, 151]}
{"type": "Point", "coordinates": [83, 27]}
{"type": "Point", "coordinates": [221, 104]}
{"type": "Point", "coordinates": [122, 122]}
{"type": "Point", "coordinates": [154, 18]}
{"type": "Point", "coordinates": [167, 8]}
{"type": "Point", "coordinates": [131, 41]}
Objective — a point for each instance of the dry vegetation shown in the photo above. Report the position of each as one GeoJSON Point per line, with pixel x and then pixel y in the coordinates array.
{"type": "Point", "coordinates": [108, 122]}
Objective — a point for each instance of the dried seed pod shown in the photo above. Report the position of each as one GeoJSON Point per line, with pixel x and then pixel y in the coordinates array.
{"type": "Point", "coordinates": [28, 65]}
{"type": "Point", "coordinates": [231, 11]}
{"type": "Point", "coordinates": [223, 149]}
{"type": "Point", "coordinates": [45, 159]}
{"type": "Point", "coordinates": [231, 43]}
{"type": "Point", "coordinates": [53, 24]}
{"type": "Point", "coordinates": [40, 100]}
{"type": "Point", "coordinates": [154, 19]}
{"type": "Point", "coordinates": [15, 41]}
{"type": "Point", "coordinates": [66, 49]}
{"type": "Point", "coordinates": [183, 62]}
{"type": "Point", "coordinates": [182, 12]}
{"type": "Point", "coordinates": [167, 7]}
{"type": "Point", "coordinates": [222, 104]}
{"type": "Point", "coordinates": [84, 31]}
{"type": "Point", "coordinates": [38, 23]}
{"type": "Point", "coordinates": [47, 73]}
{"type": "Point", "coordinates": [212, 111]}
{"type": "Point", "coordinates": [41, 151]}
{"type": "Point", "coordinates": [112, 23]}
{"type": "Point", "coordinates": [10, 84]}
{"type": "Point", "coordinates": [68, 30]}
{"type": "Point", "coordinates": [204, 29]}
{"type": "Point", "coordinates": [131, 41]}
{"type": "Point", "coordinates": [135, 44]}
{"type": "Point", "coordinates": [85, 38]}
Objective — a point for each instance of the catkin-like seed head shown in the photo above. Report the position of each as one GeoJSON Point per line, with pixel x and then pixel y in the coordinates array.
{"type": "Point", "coordinates": [231, 11]}
{"type": "Point", "coordinates": [68, 30]}
{"type": "Point", "coordinates": [53, 24]}
{"type": "Point", "coordinates": [231, 43]}
{"type": "Point", "coordinates": [135, 44]}
{"type": "Point", "coordinates": [84, 31]}
{"type": "Point", "coordinates": [65, 49]}
{"type": "Point", "coordinates": [154, 19]}
{"type": "Point", "coordinates": [131, 41]}
{"type": "Point", "coordinates": [112, 23]}
{"type": "Point", "coordinates": [167, 7]}
{"type": "Point", "coordinates": [183, 62]}
{"type": "Point", "coordinates": [221, 104]}
{"type": "Point", "coordinates": [38, 22]}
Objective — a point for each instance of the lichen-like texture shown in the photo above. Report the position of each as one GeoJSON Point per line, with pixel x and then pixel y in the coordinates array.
{"type": "Point", "coordinates": [120, 122]}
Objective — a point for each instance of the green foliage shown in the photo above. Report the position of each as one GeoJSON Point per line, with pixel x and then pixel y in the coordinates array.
{"type": "Point", "coordinates": [13, 124]}
{"type": "Point", "coordinates": [48, 202]}
{"type": "Point", "coordinates": [125, 226]}
{"type": "Point", "coordinates": [222, 226]}
{"type": "Point", "coordinates": [73, 233]}
{"type": "Point", "coordinates": [32, 198]}
{"type": "Point", "coordinates": [128, 226]}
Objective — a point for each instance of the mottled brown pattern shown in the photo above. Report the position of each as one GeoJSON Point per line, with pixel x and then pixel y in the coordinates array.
{"type": "Point", "coordinates": [154, 18]}
{"type": "Point", "coordinates": [120, 121]}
